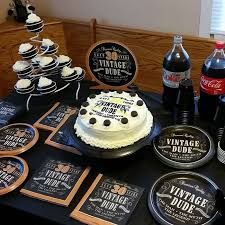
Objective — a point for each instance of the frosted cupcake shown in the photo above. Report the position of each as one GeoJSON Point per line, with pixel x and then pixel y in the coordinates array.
{"type": "Point", "coordinates": [46, 85]}
{"type": "Point", "coordinates": [68, 74]}
{"type": "Point", "coordinates": [64, 60]}
{"type": "Point", "coordinates": [28, 51]}
{"type": "Point", "coordinates": [71, 74]}
{"type": "Point", "coordinates": [24, 86]}
{"type": "Point", "coordinates": [47, 63]}
{"type": "Point", "coordinates": [22, 68]}
{"type": "Point", "coordinates": [35, 61]}
{"type": "Point", "coordinates": [80, 73]}
{"type": "Point", "coordinates": [50, 45]}
{"type": "Point", "coordinates": [34, 23]}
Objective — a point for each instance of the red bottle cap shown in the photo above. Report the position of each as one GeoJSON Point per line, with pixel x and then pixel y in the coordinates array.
{"type": "Point", "coordinates": [220, 44]}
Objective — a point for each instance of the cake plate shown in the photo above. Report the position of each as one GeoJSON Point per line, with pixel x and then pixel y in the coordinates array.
{"type": "Point", "coordinates": [101, 153]}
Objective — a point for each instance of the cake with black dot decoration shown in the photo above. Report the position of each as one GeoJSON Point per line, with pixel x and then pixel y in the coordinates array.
{"type": "Point", "coordinates": [113, 119]}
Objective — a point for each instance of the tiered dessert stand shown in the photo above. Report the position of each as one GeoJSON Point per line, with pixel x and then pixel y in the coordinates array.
{"type": "Point", "coordinates": [35, 71]}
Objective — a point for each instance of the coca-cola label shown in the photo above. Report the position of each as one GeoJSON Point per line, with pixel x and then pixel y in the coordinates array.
{"type": "Point", "coordinates": [212, 86]}
{"type": "Point", "coordinates": [172, 79]}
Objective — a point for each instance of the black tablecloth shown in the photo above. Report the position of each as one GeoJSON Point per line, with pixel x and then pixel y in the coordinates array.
{"type": "Point", "coordinates": [142, 168]}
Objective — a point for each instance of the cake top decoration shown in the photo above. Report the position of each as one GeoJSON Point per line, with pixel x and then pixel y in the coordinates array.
{"type": "Point", "coordinates": [63, 59]}
{"type": "Point", "coordinates": [85, 104]}
{"type": "Point", "coordinates": [140, 103]}
{"type": "Point", "coordinates": [43, 82]}
{"type": "Point", "coordinates": [67, 71]}
{"type": "Point", "coordinates": [33, 18]}
{"type": "Point", "coordinates": [83, 111]}
{"type": "Point", "coordinates": [25, 47]}
{"type": "Point", "coordinates": [124, 120]}
{"type": "Point", "coordinates": [134, 114]}
{"type": "Point", "coordinates": [47, 42]}
{"type": "Point", "coordinates": [20, 65]}
{"type": "Point", "coordinates": [92, 121]}
{"type": "Point", "coordinates": [45, 61]}
{"type": "Point", "coordinates": [105, 91]}
{"type": "Point", "coordinates": [92, 96]}
{"type": "Point", "coordinates": [23, 83]}
{"type": "Point", "coordinates": [132, 94]}
{"type": "Point", "coordinates": [107, 123]}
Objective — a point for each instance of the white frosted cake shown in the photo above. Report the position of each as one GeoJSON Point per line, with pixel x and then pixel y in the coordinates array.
{"type": "Point", "coordinates": [113, 120]}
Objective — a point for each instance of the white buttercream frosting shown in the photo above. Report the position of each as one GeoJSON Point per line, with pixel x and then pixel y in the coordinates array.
{"type": "Point", "coordinates": [43, 82]}
{"type": "Point", "coordinates": [33, 18]}
{"type": "Point", "coordinates": [23, 83]}
{"type": "Point", "coordinates": [78, 70]}
{"type": "Point", "coordinates": [20, 65]}
{"type": "Point", "coordinates": [67, 71]}
{"type": "Point", "coordinates": [113, 106]}
{"type": "Point", "coordinates": [47, 42]}
{"type": "Point", "coordinates": [63, 59]}
{"type": "Point", "coordinates": [25, 47]}
{"type": "Point", "coordinates": [45, 61]}
{"type": "Point", "coordinates": [36, 59]}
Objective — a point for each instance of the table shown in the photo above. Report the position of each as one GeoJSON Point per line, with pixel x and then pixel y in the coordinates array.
{"type": "Point", "coordinates": [142, 168]}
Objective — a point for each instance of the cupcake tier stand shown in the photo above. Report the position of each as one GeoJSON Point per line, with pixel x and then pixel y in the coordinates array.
{"type": "Point", "coordinates": [36, 73]}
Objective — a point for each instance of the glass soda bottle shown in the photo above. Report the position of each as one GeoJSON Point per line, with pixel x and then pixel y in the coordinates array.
{"type": "Point", "coordinates": [176, 66]}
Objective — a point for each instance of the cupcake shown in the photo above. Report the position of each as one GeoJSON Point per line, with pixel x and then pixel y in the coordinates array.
{"type": "Point", "coordinates": [64, 60]}
{"type": "Point", "coordinates": [24, 86]}
{"type": "Point", "coordinates": [68, 74]}
{"type": "Point", "coordinates": [47, 63]}
{"type": "Point", "coordinates": [80, 73]}
{"type": "Point", "coordinates": [72, 74]}
{"type": "Point", "coordinates": [28, 51]}
{"type": "Point", "coordinates": [34, 23]}
{"type": "Point", "coordinates": [46, 85]}
{"type": "Point", "coordinates": [49, 46]}
{"type": "Point", "coordinates": [35, 61]}
{"type": "Point", "coordinates": [22, 68]}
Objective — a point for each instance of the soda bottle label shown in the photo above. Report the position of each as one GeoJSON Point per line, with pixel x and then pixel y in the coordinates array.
{"type": "Point", "coordinates": [212, 86]}
{"type": "Point", "coordinates": [172, 79]}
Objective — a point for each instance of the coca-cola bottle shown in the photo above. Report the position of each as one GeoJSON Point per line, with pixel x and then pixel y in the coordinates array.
{"type": "Point", "coordinates": [212, 83]}
{"type": "Point", "coordinates": [176, 66]}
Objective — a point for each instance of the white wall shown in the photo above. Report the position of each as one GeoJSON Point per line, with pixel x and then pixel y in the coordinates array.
{"type": "Point", "coordinates": [176, 16]}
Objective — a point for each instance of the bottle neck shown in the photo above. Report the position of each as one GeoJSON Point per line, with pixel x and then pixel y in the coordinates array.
{"type": "Point", "coordinates": [177, 46]}
{"type": "Point", "coordinates": [218, 53]}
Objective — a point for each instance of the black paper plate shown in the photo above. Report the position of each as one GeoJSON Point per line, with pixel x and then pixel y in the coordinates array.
{"type": "Point", "coordinates": [184, 146]}
{"type": "Point", "coordinates": [17, 138]}
{"type": "Point", "coordinates": [183, 198]}
{"type": "Point", "coordinates": [14, 171]}
{"type": "Point", "coordinates": [113, 153]}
